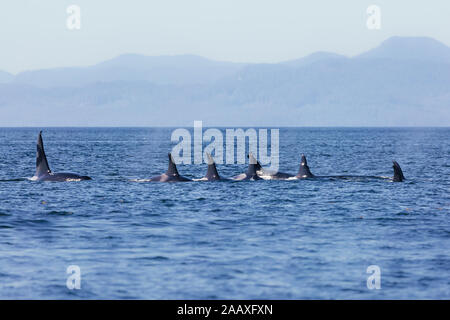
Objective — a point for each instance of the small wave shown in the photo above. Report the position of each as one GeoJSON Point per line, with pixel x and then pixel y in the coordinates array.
{"type": "Point", "coordinates": [14, 180]}
{"type": "Point", "coordinates": [153, 258]}
{"type": "Point", "coordinates": [35, 221]}
{"type": "Point", "coordinates": [60, 213]}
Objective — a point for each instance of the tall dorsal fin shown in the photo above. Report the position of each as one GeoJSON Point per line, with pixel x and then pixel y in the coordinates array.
{"type": "Point", "coordinates": [398, 173]}
{"type": "Point", "coordinates": [212, 173]}
{"type": "Point", "coordinates": [41, 160]}
{"type": "Point", "coordinates": [303, 170]}
{"type": "Point", "coordinates": [252, 165]}
{"type": "Point", "coordinates": [172, 170]}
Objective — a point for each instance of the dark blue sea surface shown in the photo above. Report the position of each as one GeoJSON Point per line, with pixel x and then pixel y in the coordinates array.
{"type": "Point", "coordinates": [305, 239]}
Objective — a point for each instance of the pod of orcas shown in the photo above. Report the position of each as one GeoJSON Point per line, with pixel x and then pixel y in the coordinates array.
{"type": "Point", "coordinates": [254, 171]}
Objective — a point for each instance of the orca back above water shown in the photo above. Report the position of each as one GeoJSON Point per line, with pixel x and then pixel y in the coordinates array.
{"type": "Point", "coordinates": [43, 172]}
{"type": "Point", "coordinates": [171, 175]}
{"type": "Point", "coordinates": [303, 170]}
{"type": "Point", "coordinates": [211, 174]}
{"type": "Point", "coordinates": [270, 175]}
{"type": "Point", "coordinates": [251, 173]}
{"type": "Point", "coordinates": [254, 171]}
{"type": "Point", "coordinates": [398, 173]}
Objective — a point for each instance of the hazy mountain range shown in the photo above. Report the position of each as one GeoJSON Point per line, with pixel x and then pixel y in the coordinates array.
{"type": "Point", "coordinates": [403, 81]}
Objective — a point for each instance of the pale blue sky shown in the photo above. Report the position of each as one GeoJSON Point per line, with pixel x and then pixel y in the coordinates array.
{"type": "Point", "coordinates": [33, 33]}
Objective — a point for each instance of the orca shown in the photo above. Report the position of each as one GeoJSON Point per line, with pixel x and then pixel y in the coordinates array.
{"type": "Point", "coordinates": [270, 175]}
{"type": "Point", "coordinates": [171, 175]}
{"type": "Point", "coordinates": [303, 170]}
{"type": "Point", "coordinates": [251, 173]}
{"type": "Point", "coordinates": [211, 174]}
{"type": "Point", "coordinates": [43, 172]}
{"type": "Point", "coordinates": [398, 173]}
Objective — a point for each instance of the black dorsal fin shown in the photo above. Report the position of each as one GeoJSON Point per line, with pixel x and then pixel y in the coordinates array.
{"type": "Point", "coordinates": [252, 165]}
{"type": "Point", "coordinates": [212, 173]}
{"type": "Point", "coordinates": [258, 164]}
{"type": "Point", "coordinates": [303, 170]}
{"type": "Point", "coordinates": [398, 173]}
{"type": "Point", "coordinates": [172, 170]}
{"type": "Point", "coordinates": [41, 160]}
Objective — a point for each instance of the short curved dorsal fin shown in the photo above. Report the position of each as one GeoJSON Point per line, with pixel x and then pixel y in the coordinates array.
{"type": "Point", "coordinates": [172, 170]}
{"type": "Point", "coordinates": [303, 170]}
{"type": "Point", "coordinates": [41, 160]}
{"type": "Point", "coordinates": [212, 170]}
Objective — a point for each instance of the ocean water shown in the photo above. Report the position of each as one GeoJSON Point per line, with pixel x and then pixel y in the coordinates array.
{"type": "Point", "coordinates": [308, 239]}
